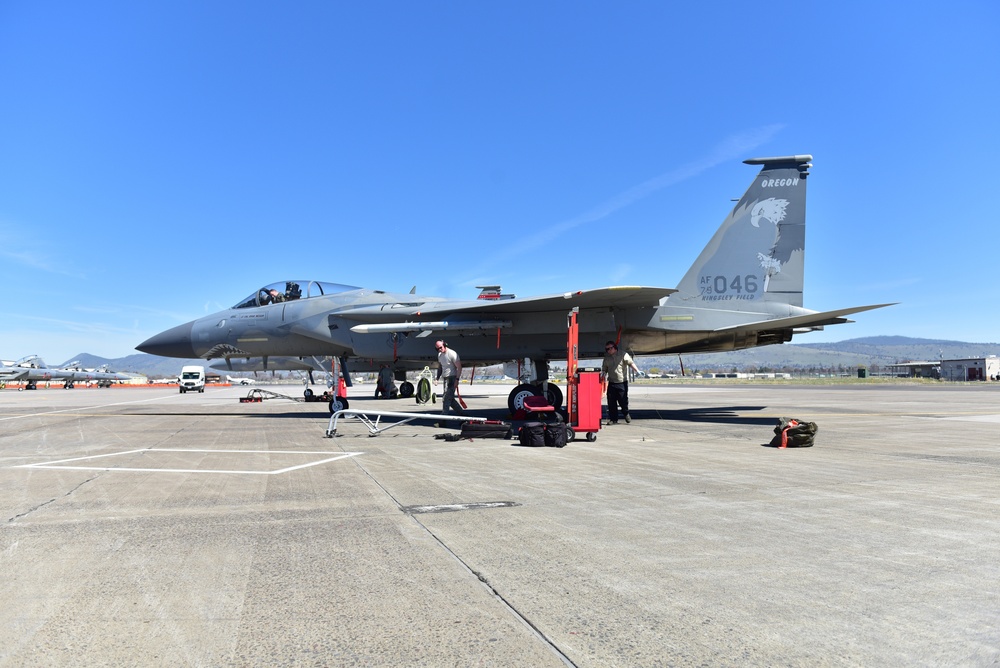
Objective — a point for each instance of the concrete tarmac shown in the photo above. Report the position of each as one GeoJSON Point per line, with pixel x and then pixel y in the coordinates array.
{"type": "Point", "coordinates": [145, 527]}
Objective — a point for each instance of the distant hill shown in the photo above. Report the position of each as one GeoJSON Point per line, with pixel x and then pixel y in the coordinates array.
{"type": "Point", "coordinates": [903, 349]}
{"type": "Point", "coordinates": [868, 351]}
{"type": "Point", "coordinates": [140, 363]}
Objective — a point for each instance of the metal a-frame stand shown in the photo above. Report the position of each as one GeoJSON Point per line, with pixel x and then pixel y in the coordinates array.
{"type": "Point", "coordinates": [373, 425]}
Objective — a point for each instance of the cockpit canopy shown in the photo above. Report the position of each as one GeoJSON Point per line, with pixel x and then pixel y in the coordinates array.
{"type": "Point", "coordinates": [287, 291]}
{"type": "Point", "coordinates": [30, 362]}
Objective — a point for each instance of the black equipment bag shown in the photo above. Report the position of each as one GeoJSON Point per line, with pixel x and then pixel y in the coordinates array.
{"type": "Point", "coordinates": [488, 429]}
{"type": "Point", "coordinates": [532, 434]}
{"type": "Point", "coordinates": [793, 433]}
{"type": "Point", "coordinates": [555, 434]}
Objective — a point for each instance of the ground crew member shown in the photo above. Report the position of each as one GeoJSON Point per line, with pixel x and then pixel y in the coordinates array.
{"type": "Point", "coordinates": [614, 371]}
{"type": "Point", "coordinates": [450, 369]}
{"type": "Point", "coordinates": [384, 386]}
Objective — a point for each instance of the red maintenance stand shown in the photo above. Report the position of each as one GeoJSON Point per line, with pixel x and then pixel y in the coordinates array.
{"type": "Point", "coordinates": [583, 387]}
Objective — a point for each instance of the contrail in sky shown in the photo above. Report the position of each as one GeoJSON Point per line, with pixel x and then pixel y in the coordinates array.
{"type": "Point", "coordinates": [730, 149]}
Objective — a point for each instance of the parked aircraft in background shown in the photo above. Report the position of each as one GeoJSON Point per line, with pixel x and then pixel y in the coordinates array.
{"type": "Point", "coordinates": [743, 290]}
{"type": "Point", "coordinates": [31, 370]}
{"type": "Point", "coordinates": [101, 375]}
{"type": "Point", "coordinates": [10, 371]}
{"type": "Point", "coordinates": [240, 381]}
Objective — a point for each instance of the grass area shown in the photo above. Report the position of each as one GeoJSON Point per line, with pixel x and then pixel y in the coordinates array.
{"type": "Point", "coordinates": [795, 380]}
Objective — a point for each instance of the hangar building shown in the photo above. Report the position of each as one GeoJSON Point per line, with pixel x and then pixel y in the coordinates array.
{"type": "Point", "coordinates": [971, 368]}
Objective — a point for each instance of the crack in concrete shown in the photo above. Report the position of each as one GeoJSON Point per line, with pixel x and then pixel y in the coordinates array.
{"type": "Point", "coordinates": [52, 500]}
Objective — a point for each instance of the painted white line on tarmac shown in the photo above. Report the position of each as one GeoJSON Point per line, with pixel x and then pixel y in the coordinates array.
{"type": "Point", "coordinates": [965, 418]}
{"type": "Point", "coordinates": [64, 463]}
{"type": "Point", "coordinates": [85, 408]}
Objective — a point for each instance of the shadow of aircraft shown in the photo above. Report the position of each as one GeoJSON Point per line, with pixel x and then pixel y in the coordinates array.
{"type": "Point", "coordinates": [717, 414]}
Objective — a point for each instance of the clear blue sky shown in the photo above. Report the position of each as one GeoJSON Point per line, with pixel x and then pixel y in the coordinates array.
{"type": "Point", "coordinates": [160, 161]}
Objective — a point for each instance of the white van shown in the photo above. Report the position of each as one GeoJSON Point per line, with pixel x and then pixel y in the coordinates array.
{"type": "Point", "coordinates": [192, 379]}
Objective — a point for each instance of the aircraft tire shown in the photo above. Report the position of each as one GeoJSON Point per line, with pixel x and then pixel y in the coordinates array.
{"type": "Point", "coordinates": [553, 394]}
{"type": "Point", "coordinates": [338, 404]}
{"type": "Point", "coordinates": [515, 400]}
{"type": "Point", "coordinates": [308, 393]}
{"type": "Point", "coordinates": [406, 389]}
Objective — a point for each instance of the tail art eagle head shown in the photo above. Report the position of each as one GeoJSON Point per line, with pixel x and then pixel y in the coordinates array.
{"type": "Point", "coordinates": [770, 209]}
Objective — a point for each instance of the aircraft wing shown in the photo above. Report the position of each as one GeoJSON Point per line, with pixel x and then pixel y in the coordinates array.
{"type": "Point", "coordinates": [490, 314]}
{"type": "Point", "coordinates": [622, 296]}
{"type": "Point", "coordinates": [817, 319]}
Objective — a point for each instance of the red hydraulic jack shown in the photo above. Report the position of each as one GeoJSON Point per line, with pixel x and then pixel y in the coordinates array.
{"type": "Point", "coordinates": [583, 386]}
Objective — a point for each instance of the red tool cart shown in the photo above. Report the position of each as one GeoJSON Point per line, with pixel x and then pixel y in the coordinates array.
{"type": "Point", "coordinates": [583, 387]}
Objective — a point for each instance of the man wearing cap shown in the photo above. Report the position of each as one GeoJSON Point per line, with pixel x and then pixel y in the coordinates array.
{"type": "Point", "coordinates": [614, 371]}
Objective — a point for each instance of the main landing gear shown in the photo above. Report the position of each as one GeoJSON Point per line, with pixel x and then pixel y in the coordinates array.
{"type": "Point", "coordinates": [539, 388]}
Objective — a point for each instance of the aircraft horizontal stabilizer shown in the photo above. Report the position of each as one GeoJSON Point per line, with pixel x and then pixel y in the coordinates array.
{"type": "Point", "coordinates": [817, 319]}
{"type": "Point", "coordinates": [9, 373]}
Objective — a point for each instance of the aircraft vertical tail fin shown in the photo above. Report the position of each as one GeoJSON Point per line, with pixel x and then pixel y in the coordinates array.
{"type": "Point", "coordinates": [758, 253]}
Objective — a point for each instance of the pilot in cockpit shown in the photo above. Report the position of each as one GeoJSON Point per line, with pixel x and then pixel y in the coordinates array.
{"type": "Point", "coordinates": [273, 297]}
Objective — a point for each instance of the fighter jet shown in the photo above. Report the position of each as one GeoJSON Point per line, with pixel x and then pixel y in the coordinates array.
{"type": "Point", "coordinates": [32, 369]}
{"type": "Point", "coordinates": [743, 290]}
{"type": "Point", "coordinates": [101, 375]}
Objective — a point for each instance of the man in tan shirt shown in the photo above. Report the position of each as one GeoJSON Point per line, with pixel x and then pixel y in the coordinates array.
{"type": "Point", "coordinates": [614, 370]}
{"type": "Point", "coordinates": [450, 371]}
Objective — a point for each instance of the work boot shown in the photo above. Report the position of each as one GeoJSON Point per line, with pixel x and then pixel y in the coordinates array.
{"type": "Point", "coordinates": [628, 418]}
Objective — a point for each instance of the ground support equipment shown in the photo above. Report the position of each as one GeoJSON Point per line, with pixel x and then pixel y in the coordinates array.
{"type": "Point", "coordinates": [583, 387]}
{"type": "Point", "coordinates": [555, 432]}
{"type": "Point", "coordinates": [257, 395]}
{"type": "Point", "coordinates": [373, 425]}
{"type": "Point", "coordinates": [425, 386]}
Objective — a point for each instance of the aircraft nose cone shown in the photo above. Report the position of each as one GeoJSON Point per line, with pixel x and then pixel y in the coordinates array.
{"type": "Point", "coordinates": [175, 342]}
